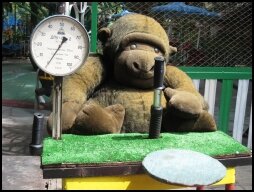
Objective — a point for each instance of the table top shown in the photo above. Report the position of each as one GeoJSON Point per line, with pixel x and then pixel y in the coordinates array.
{"type": "Point", "coordinates": [114, 154]}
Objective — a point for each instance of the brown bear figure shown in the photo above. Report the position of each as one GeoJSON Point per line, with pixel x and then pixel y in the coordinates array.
{"type": "Point", "coordinates": [113, 92]}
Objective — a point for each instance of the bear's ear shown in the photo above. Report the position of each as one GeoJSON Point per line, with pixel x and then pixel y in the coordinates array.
{"type": "Point", "coordinates": [103, 34]}
{"type": "Point", "coordinates": [172, 49]}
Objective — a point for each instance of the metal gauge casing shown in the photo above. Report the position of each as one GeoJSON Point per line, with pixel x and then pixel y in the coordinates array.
{"type": "Point", "coordinates": [59, 45]}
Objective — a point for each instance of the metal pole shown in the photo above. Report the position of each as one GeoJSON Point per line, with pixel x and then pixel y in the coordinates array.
{"type": "Point", "coordinates": [57, 108]}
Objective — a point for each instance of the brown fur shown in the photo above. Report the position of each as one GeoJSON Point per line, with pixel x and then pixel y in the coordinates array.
{"type": "Point", "coordinates": [134, 27]}
{"type": "Point", "coordinates": [113, 92]}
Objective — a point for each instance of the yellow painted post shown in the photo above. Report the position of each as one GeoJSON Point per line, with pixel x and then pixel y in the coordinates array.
{"type": "Point", "coordinates": [229, 178]}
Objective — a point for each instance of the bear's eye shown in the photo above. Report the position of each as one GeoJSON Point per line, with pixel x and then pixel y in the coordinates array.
{"type": "Point", "coordinates": [133, 46]}
{"type": "Point", "coordinates": [156, 50]}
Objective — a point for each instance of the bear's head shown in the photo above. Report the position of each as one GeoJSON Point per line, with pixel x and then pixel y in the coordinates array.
{"type": "Point", "coordinates": [131, 43]}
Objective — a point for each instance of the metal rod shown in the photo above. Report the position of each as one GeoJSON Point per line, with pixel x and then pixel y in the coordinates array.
{"type": "Point", "coordinates": [157, 97]}
{"type": "Point", "coordinates": [57, 108]}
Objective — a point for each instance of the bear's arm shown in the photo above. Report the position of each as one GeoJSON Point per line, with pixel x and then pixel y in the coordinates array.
{"type": "Point", "coordinates": [179, 80]}
{"type": "Point", "coordinates": [78, 86]}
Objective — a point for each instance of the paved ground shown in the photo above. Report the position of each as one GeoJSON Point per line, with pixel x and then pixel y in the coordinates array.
{"type": "Point", "coordinates": [20, 170]}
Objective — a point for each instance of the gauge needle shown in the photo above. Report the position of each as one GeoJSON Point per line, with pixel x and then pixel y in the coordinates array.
{"type": "Point", "coordinates": [63, 40]}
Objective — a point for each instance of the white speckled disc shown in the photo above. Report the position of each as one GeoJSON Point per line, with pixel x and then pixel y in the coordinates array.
{"type": "Point", "coordinates": [183, 167]}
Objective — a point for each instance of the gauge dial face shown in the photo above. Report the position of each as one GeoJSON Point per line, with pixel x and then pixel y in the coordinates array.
{"type": "Point", "coordinates": [59, 45]}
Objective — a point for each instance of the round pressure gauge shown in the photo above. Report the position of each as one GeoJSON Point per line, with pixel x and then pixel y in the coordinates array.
{"type": "Point", "coordinates": [59, 45]}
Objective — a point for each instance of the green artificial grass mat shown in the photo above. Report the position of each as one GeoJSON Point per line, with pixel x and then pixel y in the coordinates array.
{"type": "Point", "coordinates": [133, 147]}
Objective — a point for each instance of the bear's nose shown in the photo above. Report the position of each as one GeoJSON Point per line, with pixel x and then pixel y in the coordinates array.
{"type": "Point", "coordinates": [142, 67]}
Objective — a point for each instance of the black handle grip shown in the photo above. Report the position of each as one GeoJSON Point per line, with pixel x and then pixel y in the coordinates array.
{"type": "Point", "coordinates": [37, 134]}
{"type": "Point", "coordinates": [158, 72]}
{"type": "Point", "coordinates": [155, 122]}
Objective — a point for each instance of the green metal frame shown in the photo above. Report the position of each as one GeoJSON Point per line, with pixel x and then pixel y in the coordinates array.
{"type": "Point", "coordinates": [226, 74]}
{"type": "Point", "coordinates": [218, 72]}
{"type": "Point", "coordinates": [94, 26]}
{"type": "Point", "coordinates": [225, 103]}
